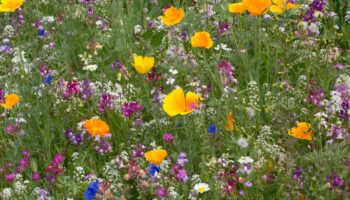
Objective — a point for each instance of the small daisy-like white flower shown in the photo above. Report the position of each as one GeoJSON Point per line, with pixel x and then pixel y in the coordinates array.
{"type": "Point", "coordinates": [201, 187]}
{"type": "Point", "coordinates": [90, 67]}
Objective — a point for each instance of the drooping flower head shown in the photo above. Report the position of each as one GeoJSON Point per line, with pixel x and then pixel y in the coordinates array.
{"type": "Point", "coordinates": [172, 16]}
{"type": "Point", "coordinates": [10, 101]}
{"type": "Point", "coordinates": [143, 65]}
{"type": "Point", "coordinates": [156, 156]}
{"type": "Point", "coordinates": [229, 126]}
{"type": "Point", "coordinates": [96, 127]}
{"type": "Point", "coordinates": [10, 5]}
{"type": "Point", "coordinates": [202, 40]}
{"type": "Point", "coordinates": [176, 102]}
{"type": "Point", "coordinates": [301, 131]}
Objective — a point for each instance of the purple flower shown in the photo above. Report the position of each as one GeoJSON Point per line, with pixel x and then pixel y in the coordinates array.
{"type": "Point", "coordinates": [130, 108]}
{"type": "Point", "coordinates": [105, 101]}
{"type": "Point", "coordinates": [36, 176]}
{"type": "Point", "coordinates": [315, 6]}
{"type": "Point", "coordinates": [161, 192]}
{"type": "Point", "coordinates": [10, 177]}
{"type": "Point", "coordinates": [168, 137]}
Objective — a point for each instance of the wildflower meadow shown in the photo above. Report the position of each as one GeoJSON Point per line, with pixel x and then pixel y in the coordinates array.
{"type": "Point", "coordinates": [174, 99]}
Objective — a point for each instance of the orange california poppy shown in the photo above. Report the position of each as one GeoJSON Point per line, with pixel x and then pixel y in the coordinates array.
{"type": "Point", "coordinates": [172, 16]}
{"type": "Point", "coordinates": [301, 131]}
{"type": "Point", "coordinates": [10, 5]}
{"type": "Point", "coordinates": [10, 101]}
{"type": "Point", "coordinates": [176, 102]}
{"type": "Point", "coordinates": [202, 40]}
{"type": "Point", "coordinates": [237, 7]}
{"type": "Point", "coordinates": [156, 156]}
{"type": "Point", "coordinates": [257, 7]}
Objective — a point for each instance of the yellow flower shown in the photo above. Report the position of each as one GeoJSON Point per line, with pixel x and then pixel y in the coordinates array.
{"type": "Point", "coordinates": [143, 65]}
{"type": "Point", "coordinates": [237, 7]}
{"type": "Point", "coordinates": [96, 127]}
{"type": "Point", "coordinates": [10, 101]}
{"type": "Point", "coordinates": [229, 122]}
{"type": "Point", "coordinates": [257, 7]}
{"type": "Point", "coordinates": [202, 40]}
{"type": "Point", "coordinates": [281, 5]}
{"type": "Point", "coordinates": [176, 102]}
{"type": "Point", "coordinates": [156, 156]}
{"type": "Point", "coordinates": [301, 131]}
{"type": "Point", "coordinates": [10, 5]}
{"type": "Point", "coordinates": [172, 16]}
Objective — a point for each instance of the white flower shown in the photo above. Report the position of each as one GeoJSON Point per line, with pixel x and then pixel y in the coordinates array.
{"type": "Point", "coordinates": [6, 193]}
{"type": "Point", "coordinates": [201, 187]}
{"type": "Point", "coordinates": [245, 160]}
{"type": "Point", "coordinates": [137, 29]}
{"type": "Point", "coordinates": [90, 67]}
{"type": "Point", "coordinates": [242, 142]}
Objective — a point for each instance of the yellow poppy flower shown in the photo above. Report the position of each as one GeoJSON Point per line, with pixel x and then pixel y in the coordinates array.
{"type": "Point", "coordinates": [10, 101]}
{"type": "Point", "coordinates": [156, 156]}
{"type": "Point", "coordinates": [301, 131]}
{"type": "Point", "coordinates": [96, 127]}
{"type": "Point", "coordinates": [172, 16]}
{"type": "Point", "coordinates": [237, 7]}
{"type": "Point", "coordinates": [143, 65]}
{"type": "Point", "coordinates": [257, 7]}
{"type": "Point", "coordinates": [10, 5]}
{"type": "Point", "coordinates": [281, 5]}
{"type": "Point", "coordinates": [176, 103]}
{"type": "Point", "coordinates": [202, 40]}
{"type": "Point", "coordinates": [229, 122]}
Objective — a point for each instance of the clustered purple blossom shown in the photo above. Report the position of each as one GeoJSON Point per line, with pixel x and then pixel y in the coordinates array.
{"type": "Point", "coordinates": [18, 19]}
{"type": "Point", "coordinates": [75, 138]}
{"type": "Point", "coordinates": [315, 6]}
{"type": "Point", "coordinates": [7, 169]}
{"type": "Point", "coordinates": [103, 146]}
{"type": "Point", "coordinates": [316, 95]}
{"type": "Point", "coordinates": [2, 95]}
{"type": "Point", "coordinates": [229, 177]}
{"type": "Point", "coordinates": [180, 173]}
{"type": "Point", "coordinates": [130, 108]}
{"type": "Point", "coordinates": [55, 168]}
{"type": "Point", "coordinates": [222, 27]}
{"type": "Point", "coordinates": [298, 176]}
{"type": "Point", "coordinates": [336, 132]}
{"type": "Point", "coordinates": [228, 70]}
{"type": "Point", "coordinates": [72, 88]}
{"type": "Point", "coordinates": [105, 101]}
{"type": "Point", "coordinates": [182, 159]}
{"type": "Point", "coordinates": [138, 151]}
{"type": "Point", "coordinates": [119, 65]}
{"type": "Point", "coordinates": [86, 89]}
{"type": "Point", "coordinates": [168, 137]}
{"type": "Point", "coordinates": [335, 182]}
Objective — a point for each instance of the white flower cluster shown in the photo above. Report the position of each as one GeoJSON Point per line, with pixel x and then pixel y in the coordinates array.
{"type": "Point", "coordinates": [267, 145]}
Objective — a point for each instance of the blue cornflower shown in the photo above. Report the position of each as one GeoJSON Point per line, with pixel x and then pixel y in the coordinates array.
{"type": "Point", "coordinates": [48, 79]}
{"type": "Point", "coordinates": [91, 191]}
{"type": "Point", "coordinates": [41, 32]}
{"type": "Point", "coordinates": [153, 169]}
{"type": "Point", "coordinates": [212, 129]}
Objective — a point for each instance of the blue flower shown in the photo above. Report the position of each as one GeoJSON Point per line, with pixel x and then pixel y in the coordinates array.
{"type": "Point", "coordinates": [41, 32]}
{"type": "Point", "coordinates": [90, 192]}
{"type": "Point", "coordinates": [48, 79]}
{"type": "Point", "coordinates": [153, 169]}
{"type": "Point", "coordinates": [212, 129]}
